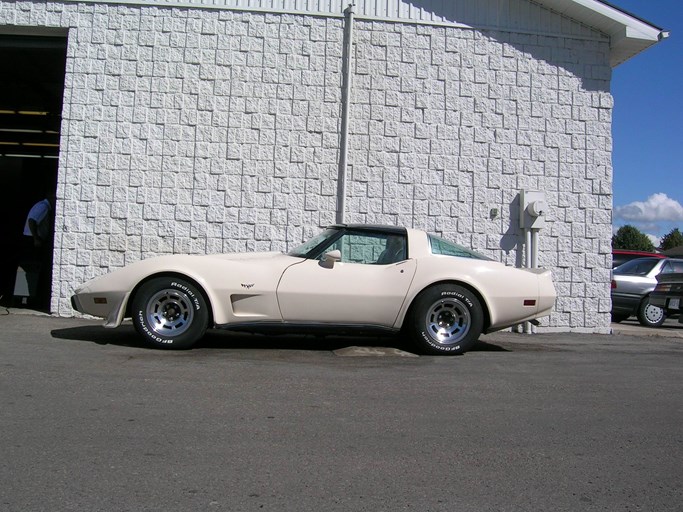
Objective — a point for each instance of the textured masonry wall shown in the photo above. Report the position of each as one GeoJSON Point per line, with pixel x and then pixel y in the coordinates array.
{"type": "Point", "coordinates": [450, 124]}
{"type": "Point", "coordinates": [204, 131]}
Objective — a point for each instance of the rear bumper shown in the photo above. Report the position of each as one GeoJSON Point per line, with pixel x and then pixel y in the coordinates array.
{"type": "Point", "coordinates": [664, 301]}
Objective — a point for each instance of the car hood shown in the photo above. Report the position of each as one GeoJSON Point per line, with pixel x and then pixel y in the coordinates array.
{"type": "Point", "coordinates": [197, 267]}
{"type": "Point", "coordinates": [246, 256]}
{"type": "Point", "coordinates": [254, 260]}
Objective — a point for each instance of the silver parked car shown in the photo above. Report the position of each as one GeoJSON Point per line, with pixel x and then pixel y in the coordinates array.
{"type": "Point", "coordinates": [632, 284]}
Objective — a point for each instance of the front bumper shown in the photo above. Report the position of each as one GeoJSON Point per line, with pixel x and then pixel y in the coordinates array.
{"type": "Point", "coordinates": [110, 305]}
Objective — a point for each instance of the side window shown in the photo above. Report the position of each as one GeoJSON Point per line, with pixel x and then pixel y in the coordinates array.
{"type": "Point", "coordinates": [445, 248]}
{"type": "Point", "coordinates": [677, 265]}
{"type": "Point", "coordinates": [394, 250]}
{"type": "Point", "coordinates": [370, 248]}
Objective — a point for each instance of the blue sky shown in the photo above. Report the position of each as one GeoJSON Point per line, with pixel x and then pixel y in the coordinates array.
{"type": "Point", "coordinates": [648, 126]}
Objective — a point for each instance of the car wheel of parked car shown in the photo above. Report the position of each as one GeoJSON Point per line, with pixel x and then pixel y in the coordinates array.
{"type": "Point", "coordinates": [446, 319]}
{"type": "Point", "coordinates": [649, 315]}
{"type": "Point", "coordinates": [170, 313]}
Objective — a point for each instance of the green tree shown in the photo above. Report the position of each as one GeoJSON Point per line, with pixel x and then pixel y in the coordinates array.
{"type": "Point", "coordinates": [631, 238]}
{"type": "Point", "coordinates": [672, 239]}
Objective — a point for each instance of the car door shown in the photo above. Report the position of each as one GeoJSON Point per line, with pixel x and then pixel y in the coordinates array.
{"type": "Point", "coordinates": [356, 288]}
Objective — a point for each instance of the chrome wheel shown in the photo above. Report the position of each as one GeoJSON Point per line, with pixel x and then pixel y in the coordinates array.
{"type": "Point", "coordinates": [169, 312]}
{"type": "Point", "coordinates": [448, 321]}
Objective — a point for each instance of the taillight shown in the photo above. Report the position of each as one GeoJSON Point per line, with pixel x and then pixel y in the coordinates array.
{"type": "Point", "coordinates": [661, 287]}
{"type": "Point", "coordinates": [614, 284]}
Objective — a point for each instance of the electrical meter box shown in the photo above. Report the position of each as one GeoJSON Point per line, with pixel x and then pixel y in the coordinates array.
{"type": "Point", "coordinates": [532, 209]}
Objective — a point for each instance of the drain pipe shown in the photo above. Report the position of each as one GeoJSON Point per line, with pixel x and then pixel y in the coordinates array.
{"type": "Point", "coordinates": [346, 104]}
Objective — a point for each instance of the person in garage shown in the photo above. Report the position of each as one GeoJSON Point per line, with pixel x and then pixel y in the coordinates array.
{"type": "Point", "coordinates": [37, 246]}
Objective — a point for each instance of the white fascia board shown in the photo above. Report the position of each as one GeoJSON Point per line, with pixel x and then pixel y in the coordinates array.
{"type": "Point", "coordinates": [637, 27]}
{"type": "Point", "coordinates": [629, 35]}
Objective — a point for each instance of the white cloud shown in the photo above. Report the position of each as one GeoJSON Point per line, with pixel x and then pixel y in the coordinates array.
{"type": "Point", "coordinates": [656, 240]}
{"type": "Point", "coordinates": [657, 208]}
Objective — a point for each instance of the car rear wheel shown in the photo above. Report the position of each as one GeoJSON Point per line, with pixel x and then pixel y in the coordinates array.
{"type": "Point", "coordinates": [649, 315]}
{"type": "Point", "coordinates": [170, 313]}
{"type": "Point", "coordinates": [446, 319]}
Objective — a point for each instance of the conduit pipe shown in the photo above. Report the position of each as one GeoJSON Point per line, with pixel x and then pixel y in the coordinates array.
{"type": "Point", "coordinates": [531, 261]}
{"type": "Point", "coordinates": [347, 61]}
{"type": "Point", "coordinates": [527, 329]}
{"type": "Point", "coordinates": [531, 219]}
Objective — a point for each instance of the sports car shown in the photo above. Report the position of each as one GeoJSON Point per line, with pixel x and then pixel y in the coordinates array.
{"type": "Point", "coordinates": [349, 278]}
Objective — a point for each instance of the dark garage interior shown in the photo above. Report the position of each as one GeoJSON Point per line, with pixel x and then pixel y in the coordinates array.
{"type": "Point", "coordinates": [31, 95]}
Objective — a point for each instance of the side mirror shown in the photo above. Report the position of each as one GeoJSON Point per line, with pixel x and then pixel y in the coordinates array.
{"type": "Point", "coordinates": [329, 258]}
{"type": "Point", "coordinates": [332, 256]}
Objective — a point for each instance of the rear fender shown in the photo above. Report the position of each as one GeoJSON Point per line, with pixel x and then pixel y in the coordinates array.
{"type": "Point", "coordinates": [406, 311]}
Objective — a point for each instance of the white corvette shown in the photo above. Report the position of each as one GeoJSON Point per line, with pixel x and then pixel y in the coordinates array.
{"type": "Point", "coordinates": [348, 278]}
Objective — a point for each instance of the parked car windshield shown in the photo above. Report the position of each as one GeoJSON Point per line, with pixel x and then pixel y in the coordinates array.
{"type": "Point", "coordinates": [304, 249]}
{"type": "Point", "coordinates": [446, 248]}
{"type": "Point", "coordinates": [637, 267]}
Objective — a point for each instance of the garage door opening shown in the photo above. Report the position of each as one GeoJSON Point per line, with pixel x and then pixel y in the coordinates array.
{"type": "Point", "coordinates": [31, 94]}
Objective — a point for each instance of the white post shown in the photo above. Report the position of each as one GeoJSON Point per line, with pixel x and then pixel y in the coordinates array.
{"type": "Point", "coordinates": [346, 103]}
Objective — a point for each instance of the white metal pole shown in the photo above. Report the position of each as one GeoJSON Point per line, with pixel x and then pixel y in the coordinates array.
{"type": "Point", "coordinates": [346, 103]}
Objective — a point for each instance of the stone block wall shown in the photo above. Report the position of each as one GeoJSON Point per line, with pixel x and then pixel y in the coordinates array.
{"type": "Point", "coordinates": [450, 124]}
{"type": "Point", "coordinates": [199, 130]}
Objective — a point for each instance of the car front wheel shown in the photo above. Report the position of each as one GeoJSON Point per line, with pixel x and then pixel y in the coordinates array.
{"type": "Point", "coordinates": [170, 313]}
{"type": "Point", "coordinates": [446, 319]}
{"type": "Point", "coordinates": [649, 315]}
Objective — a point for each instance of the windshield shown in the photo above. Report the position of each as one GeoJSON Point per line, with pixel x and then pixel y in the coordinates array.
{"type": "Point", "coordinates": [446, 248]}
{"type": "Point", "coordinates": [304, 249]}
{"type": "Point", "coordinates": [637, 267]}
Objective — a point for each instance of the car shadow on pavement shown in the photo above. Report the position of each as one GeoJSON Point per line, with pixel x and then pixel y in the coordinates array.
{"type": "Point", "coordinates": [125, 336]}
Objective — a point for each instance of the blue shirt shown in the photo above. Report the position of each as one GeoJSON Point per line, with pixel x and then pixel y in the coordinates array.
{"type": "Point", "coordinates": [40, 213]}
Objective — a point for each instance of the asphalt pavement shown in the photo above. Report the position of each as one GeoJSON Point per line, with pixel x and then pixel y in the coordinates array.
{"type": "Point", "coordinates": [671, 328]}
{"type": "Point", "coordinates": [94, 420]}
